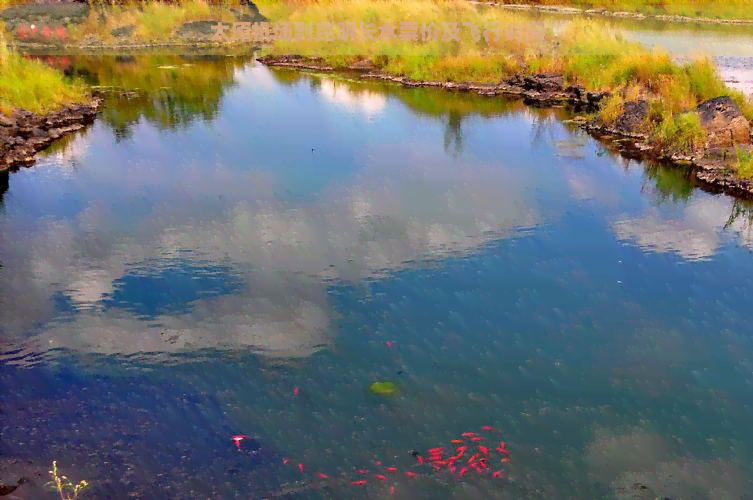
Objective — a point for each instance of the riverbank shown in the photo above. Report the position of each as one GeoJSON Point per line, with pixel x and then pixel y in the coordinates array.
{"type": "Point", "coordinates": [738, 13]}
{"type": "Point", "coordinates": [655, 107]}
{"type": "Point", "coordinates": [74, 26]}
{"type": "Point", "coordinates": [714, 168]}
{"type": "Point", "coordinates": [38, 105]}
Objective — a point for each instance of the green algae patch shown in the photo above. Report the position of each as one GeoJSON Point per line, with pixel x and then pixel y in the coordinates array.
{"type": "Point", "coordinates": [384, 388]}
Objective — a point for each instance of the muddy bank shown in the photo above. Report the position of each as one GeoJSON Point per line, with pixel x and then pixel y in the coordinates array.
{"type": "Point", "coordinates": [712, 166]}
{"type": "Point", "coordinates": [24, 134]}
{"type": "Point", "coordinates": [555, 9]}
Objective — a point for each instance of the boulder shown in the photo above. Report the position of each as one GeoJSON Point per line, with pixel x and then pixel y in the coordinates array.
{"type": "Point", "coordinates": [634, 114]}
{"type": "Point", "coordinates": [723, 122]}
{"type": "Point", "coordinates": [544, 83]}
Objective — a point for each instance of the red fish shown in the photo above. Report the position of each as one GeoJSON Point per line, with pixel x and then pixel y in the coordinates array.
{"type": "Point", "coordinates": [477, 439]}
{"type": "Point", "coordinates": [435, 450]}
{"type": "Point", "coordinates": [457, 441]}
{"type": "Point", "coordinates": [488, 428]}
{"type": "Point", "coordinates": [463, 471]}
{"type": "Point", "coordinates": [392, 490]}
{"type": "Point", "coordinates": [461, 449]}
{"type": "Point", "coordinates": [411, 474]}
{"type": "Point", "coordinates": [497, 473]}
{"type": "Point", "coordinates": [392, 469]}
{"type": "Point", "coordinates": [473, 458]}
{"type": "Point", "coordinates": [381, 477]}
{"type": "Point", "coordinates": [300, 467]}
{"type": "Point", "coordinates": [238, 440]}
{"type": "Point", "coordinates": [296, 391]}
{"type": "Point", "coordinates": [420, 460]}
{"type": "Point", "coordinates": [361, 471]}
{"type": "Point", "coordinates": [468, 434]}
{"type": "Point", "coordinates": [505, 459]}
{"type": "Point", "coordinates": [322, 476]}
{"type": "Point", "coordinates": [359, 483]}
{"type": "Point", "coordinates": [377, 463]}
{"type": "Point", "coordinates": [286, 461]}
{"type": "Point", "coordinates": [484, 450]}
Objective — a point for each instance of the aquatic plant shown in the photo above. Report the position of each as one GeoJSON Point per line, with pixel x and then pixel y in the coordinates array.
{"type": "Point", "coordinates": [383, 388]}
{"type": "Point", "coordinates": [62, 483]}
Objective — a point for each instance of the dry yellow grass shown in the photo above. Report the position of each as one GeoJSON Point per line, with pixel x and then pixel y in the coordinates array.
{"type": "Point", "coordinates": [153, 21]}
{"type": "Point", "coordinates": [584, 52]}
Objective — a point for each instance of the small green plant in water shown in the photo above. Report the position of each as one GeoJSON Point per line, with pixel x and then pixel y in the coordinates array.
{"type": "Point", "coordinates": [744, 163]}
{"type": "Point", "coordinates": [62, 483]}
{"type": "Point", "coordinates": [383, 388]}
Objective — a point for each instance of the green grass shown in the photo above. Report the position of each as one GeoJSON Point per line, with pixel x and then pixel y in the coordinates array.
{"type": "Point", "coordinates": [154, 21]}
{"type": "Point", "coordinates": [744, 163]}
{"type": "Point", "coordinates": [584, 52]}
{"type": "Point", "coordinates": [33, 86]}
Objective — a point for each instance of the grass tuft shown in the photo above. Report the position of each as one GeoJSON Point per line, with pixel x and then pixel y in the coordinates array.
{"type": "Point", "coordinates": [62, 483]}
{"type": "Point", "coordinates": [31, 85]}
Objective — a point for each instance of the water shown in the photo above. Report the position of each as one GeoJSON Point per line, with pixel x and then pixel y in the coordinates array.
{"type": "Point", "coordinates": [174, 272]}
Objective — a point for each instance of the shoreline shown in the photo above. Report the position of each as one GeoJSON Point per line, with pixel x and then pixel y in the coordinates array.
{"type": "Point", "coordinates": [711, 173]}
{"type": "Point", "coordinates": [24, 134]}
{"type": "Point", "coordinates": [563, 10]}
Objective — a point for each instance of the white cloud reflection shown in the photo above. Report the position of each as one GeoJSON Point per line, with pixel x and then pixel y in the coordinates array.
{"type": "Point", "coordinates": [421, 206]}
{"type": "Point", "coordinates": [694, 233]}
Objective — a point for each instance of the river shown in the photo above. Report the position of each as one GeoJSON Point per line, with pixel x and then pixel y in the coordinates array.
{"type": "Point", "coordinates": [260, 245]}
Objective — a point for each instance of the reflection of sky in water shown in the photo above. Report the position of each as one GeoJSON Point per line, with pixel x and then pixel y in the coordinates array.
{"type": "Point", "coordinates": [559, 285]}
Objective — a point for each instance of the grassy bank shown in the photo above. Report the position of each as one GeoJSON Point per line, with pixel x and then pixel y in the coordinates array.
{"type": "Point", "coordinates": [33, 86]}
{"type": "Point", "coordinates": [151, 21]}
{"type": "Point", "coordinates": [730, 9]}
{"type": "Point", "coordinates": [584, 52]}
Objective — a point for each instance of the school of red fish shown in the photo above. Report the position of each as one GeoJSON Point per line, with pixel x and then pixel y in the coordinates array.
{"type": "Point", "coordinates": [473, 454]}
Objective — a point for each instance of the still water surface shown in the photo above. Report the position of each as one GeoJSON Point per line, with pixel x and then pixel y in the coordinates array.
{"type": "Point", "coordinates": [250, 231]}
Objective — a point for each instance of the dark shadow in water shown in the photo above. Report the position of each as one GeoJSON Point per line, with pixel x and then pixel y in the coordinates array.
{"type": "Point", "coordinates": [140, 435]}
{"type": "Point", "coordinates": [454, 133]}
{"type": "Point", "coordinates": [742, 210]}
{"type": "Point", "coordinates": [666, 184]}
{"type": "Point", "coordinates": [4, 182]}
{"type": "Point", "coordinates": [172, 91]}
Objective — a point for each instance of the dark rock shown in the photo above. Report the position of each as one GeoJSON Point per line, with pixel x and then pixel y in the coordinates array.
{"type": "Point", "coordinates": [6, 122]}
{"type": "Point", "coordinates": [633, 116]}
{"type": "Point", "coordinates": [198, 28]}
{"type": "Point", "coordinates": [33, 133]}
{"type": "Point", "coordinates": [723, 122]}
{"type": "Point", "coordinates": [123, 59]}
{"type": "Point", "coordinates": [544, 83]}
{"type": "Point", "coordinates": [7, 489]}
{"type": "Point", "coordinates": [122, 31]}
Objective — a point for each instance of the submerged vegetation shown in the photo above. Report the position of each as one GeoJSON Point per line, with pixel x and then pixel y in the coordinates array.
{"type": "Point", "coordinates": [62, 485]}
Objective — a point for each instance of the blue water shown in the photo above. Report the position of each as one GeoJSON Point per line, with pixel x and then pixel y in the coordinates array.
{"type": "Point", "coordinates": [594, 310]}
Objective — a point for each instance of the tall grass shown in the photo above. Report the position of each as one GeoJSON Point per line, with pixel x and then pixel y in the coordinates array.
{"type": "Point", "coordinates": [31, 85]}
{"type": "Point", "coordinates": [151, 20]}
